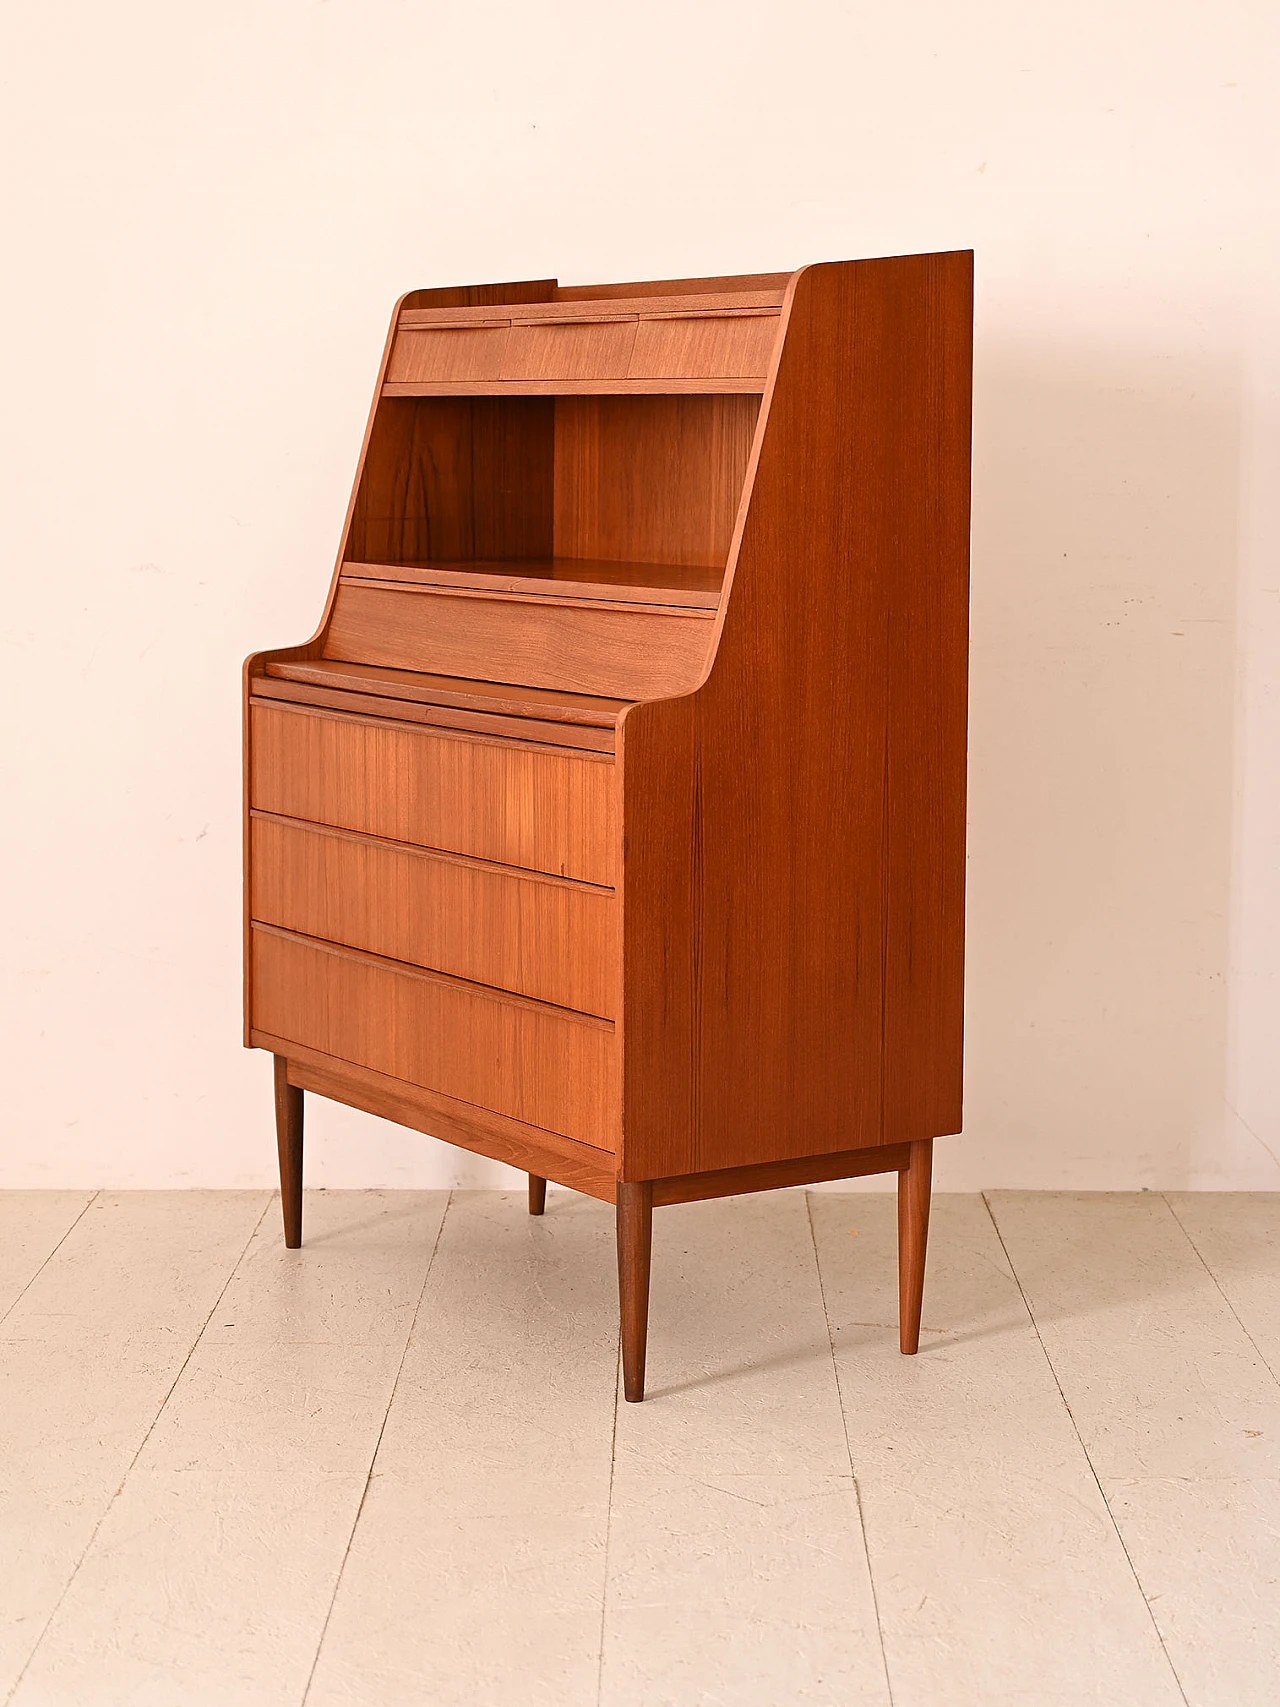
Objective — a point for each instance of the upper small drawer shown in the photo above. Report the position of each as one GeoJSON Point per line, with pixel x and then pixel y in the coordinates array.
{"type": "Point", "coordinates": [698, 349]}
{"type": "Point", "coordinates": [451, 353]}
{"type": "Point", "coordinates": [704, 347]}
{"type": "Point", "coordinates": [554, 352]}
{"type": "Point", "coordinates": [570, 351]}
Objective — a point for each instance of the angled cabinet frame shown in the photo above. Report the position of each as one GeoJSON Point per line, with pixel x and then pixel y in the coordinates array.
{"type": "Point", "coordinates": [612, 822]}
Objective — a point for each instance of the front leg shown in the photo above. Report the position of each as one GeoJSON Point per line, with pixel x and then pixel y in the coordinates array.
{"type": "Point", "coordinates": [289, 1144]}
{"type": "Point", "coordinates": [915, 1186]}
{"type": "Point", "coordinates": [635, 1245]}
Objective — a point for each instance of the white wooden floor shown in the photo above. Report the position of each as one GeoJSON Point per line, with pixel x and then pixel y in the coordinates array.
{"type": "Point", "coordinates": [393, 1467]}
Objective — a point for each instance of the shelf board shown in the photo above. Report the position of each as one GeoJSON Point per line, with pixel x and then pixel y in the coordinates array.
{"type": "Point", "coordinates": [695, 587]}
{"type": "Point", "coordinates": [681, 387]}
{"type": "Point", "coordinates": [583, 310]}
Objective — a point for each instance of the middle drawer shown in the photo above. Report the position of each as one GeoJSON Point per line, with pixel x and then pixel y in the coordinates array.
{"type": "Point", "coordinates": [536, 936]}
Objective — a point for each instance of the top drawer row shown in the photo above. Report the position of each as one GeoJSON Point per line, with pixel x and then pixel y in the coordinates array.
{"type": "Point", "coordinates": [696, 351]}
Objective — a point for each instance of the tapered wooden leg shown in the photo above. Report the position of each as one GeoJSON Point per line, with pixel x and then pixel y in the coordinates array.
{"type": "Point", "coordinates": [915, 1183]}
{"type": "Point", "coordinates": [635, 1242]}
{"type": "Point", "coordinates": [289, 1143]}
{"type": "Point", "coordinates": [537, 1194]}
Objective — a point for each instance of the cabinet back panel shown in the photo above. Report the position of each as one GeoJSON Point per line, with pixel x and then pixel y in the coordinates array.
{"type": "Point", "coordinates": [630, 654]}
{"type": "Point", "coordinates": [447, 479]}
{"type": "Point", "coordinates": [651, 479]}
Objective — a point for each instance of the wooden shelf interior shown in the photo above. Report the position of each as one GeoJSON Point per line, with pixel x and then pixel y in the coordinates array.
{"type": "Point", "coordinates": [488, 480]}
{"type": "Point", "coordinates": [570, 543]}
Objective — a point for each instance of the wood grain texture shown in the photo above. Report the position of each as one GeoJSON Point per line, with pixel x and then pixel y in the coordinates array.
{"type": "Point", "coordinates": [651, 480]}
{"type": "Point", "coordinates": [634, 1214]}
{"type": "Point", "coordinates": [522, 291]}
{"type": "Point", "coordinates": [678, 344]}
{"type": "Point", "coordinates": [703, 347]}
{"type": "Point", "coordinates": [514, 804]}
{"type": "Point", "coordinates": [539, 936]}
{"type": "Point", "coordinates": [583, 1167]}
{"type": "Point", "coordinates": [596, 578]}
{"type": "Point", "coordinates": [914, 1192]}
{"type": "Point", "coordinates": [793, 917]}
{"type": "Point", "coordinates": [542, 1065]}
{"type": "Point", "coordinates": [771, 285]}
{"type": "Point", "coordinates": [775, 1176]}
{"type": "Point", "coordinates": [442, 716]}
{"type": "Point", "coordinates": [446, 479]}
{"type": "Point", "coordinates": [289, 1146]}
{"type": "Point", "coordinates": [600, 351]}
{"type": "Point", "coordinates": [678, 386]}
{"type": "Point", "coordinates": [580, 310]}
{"type": "Point", "coordinates": [630, 652]}
{"type": "Point", "coordinates": [499, 698]}
{"type": "Point", "coordinates": [455, 352]}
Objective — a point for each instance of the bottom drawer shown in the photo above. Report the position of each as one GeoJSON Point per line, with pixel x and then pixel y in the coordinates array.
{"type": "Point", "coordinates": [539, 1064]}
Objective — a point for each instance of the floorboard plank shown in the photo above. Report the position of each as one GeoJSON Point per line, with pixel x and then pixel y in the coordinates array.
{"type": "Point", "coordinates": [476, 1570]}
{"type": "Point", "coordinates": [213, 1571]}
{"type": "Point", "coordinates": [1181, 1419]}
{"type": "Point", "coordinates": [32, 1226]}
{"type": "Point", "coordinates": [191, 1507]}
{"type": "Point", "coordinates": [88, 1355]}
{"type": "Point", "coordinates": [737, 1570]}
{"type": "Point", "coordinates": [1237, 1236]}
{"type": "Point", "coordinates": [999, 1575]}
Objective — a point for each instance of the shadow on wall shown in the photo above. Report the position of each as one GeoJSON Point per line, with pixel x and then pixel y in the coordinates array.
{"type": "Point", "coordinates": [1103, 708]}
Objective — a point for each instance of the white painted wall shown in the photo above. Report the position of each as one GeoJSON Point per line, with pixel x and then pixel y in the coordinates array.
{"type": "Point", "coordinates": [210, 210]}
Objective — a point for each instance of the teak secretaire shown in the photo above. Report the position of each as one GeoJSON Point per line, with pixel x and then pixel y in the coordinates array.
{"type": "Point", "coordinates": [612, 822]}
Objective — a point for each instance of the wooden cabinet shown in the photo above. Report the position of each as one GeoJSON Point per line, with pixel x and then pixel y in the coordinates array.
{"type": "Point", "coordinates": [612, 821]}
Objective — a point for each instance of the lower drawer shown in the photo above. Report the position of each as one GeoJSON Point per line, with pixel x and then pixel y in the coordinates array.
{"type": "Point", "coordinates": [538, 1064]}
{"type": "Point", "coordinates": [537, 936]}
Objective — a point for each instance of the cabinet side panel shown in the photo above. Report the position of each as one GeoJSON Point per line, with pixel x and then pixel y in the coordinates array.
{"type": "Point", "coordinates": [928, 705]}
{"type": "Point", "coordinates": [661, 1083]}
{"type": "Point", "coordinates": [819, 990]}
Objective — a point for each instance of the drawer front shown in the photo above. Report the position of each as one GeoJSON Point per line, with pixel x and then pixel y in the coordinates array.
{"type": "Point", "coordinates": [550, 352]}
{"type": "Point", "coordinates": [539, 1065]}
{"type": "Point", "coordinates": [702, 347]}
{"type": "Point", "coordinates": [504, 801]}
{"type": "Point", "coordinates": [533, 935]}
{"type": "Point", "coordinates": [569, 352]}
{"type": "Point", "coordinates": [455, 353]}
{"type": "Point", "coordinates": [634, 653]}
